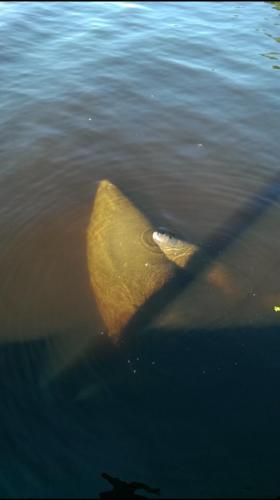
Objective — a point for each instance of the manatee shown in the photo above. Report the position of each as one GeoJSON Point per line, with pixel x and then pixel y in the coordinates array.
{"type": "Point", "coordinates": [128, 259]}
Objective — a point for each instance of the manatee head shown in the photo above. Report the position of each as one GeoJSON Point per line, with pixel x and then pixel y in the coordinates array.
{"type": "Point", "coordinates": [175, 249]}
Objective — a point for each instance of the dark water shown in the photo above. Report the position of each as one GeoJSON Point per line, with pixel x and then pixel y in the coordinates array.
{"type": "Point", "coordinates": [178, 104]}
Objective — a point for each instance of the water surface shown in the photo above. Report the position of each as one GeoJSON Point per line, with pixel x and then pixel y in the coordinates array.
{"type": "Point", "coordinates": [178, 104]}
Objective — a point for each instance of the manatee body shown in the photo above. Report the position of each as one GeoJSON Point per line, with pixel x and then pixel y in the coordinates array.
{"type": "Point", "coordinates": [125, 263]}
{"type": "Point", "coordinates": [127, 259]}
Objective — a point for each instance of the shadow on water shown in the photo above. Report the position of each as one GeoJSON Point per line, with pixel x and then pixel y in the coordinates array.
{"type": "Point", "coordinates": [194, 404]}
{"type": "Point", "coordinates": [57, 437]}
{"type": "Point", "coordinates": [123, 489]}
{"type": "Point", "coordinates": [211, 250]}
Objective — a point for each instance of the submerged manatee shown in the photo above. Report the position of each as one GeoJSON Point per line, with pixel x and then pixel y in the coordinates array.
{"type": "Point", "coordinates": [128, 260]}
{"type": "Point", "coordinates": [126, 265]}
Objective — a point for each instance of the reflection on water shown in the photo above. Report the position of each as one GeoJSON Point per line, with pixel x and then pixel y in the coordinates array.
{"type": "Point", "coordinates": [276, 5]}
{"type": "Point", "coordinates": [275, 54]}
{"type": "Point", "coordinates": [178, 106]}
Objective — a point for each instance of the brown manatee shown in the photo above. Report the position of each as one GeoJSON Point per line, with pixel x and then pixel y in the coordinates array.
{"type": "Point", "coordinates": [128, 260]}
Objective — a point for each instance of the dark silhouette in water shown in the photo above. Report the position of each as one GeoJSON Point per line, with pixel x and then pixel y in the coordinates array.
{"type": "Point", "coordinates": [123, 489]}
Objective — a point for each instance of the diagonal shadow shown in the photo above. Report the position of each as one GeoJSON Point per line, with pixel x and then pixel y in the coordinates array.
{"type": "Point", "coordinates": [212, 248]}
